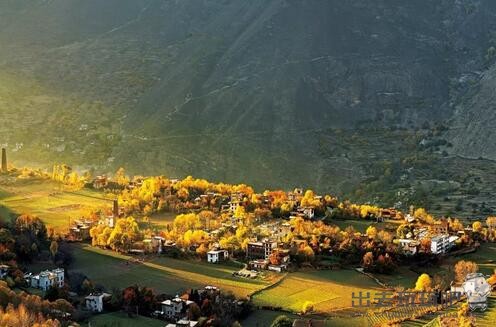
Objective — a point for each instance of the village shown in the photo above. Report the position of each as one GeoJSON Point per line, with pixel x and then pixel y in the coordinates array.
{"type": "Point", "coordinates": [267, 235]}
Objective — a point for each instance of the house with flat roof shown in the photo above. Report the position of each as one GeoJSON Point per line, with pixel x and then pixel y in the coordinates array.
{"type": "Point", "coordinates": [441, 244]}
{"type": "Point", "coordinates": [94, 302]}
{"type": "Point", "coordinates": [216, 256]}
{"type": "Point", "coordinates": [260, 250]}
{"type": "Point", "coordinates": [46, 279]}
{"type": "Point", "coordinates": [175, 309]}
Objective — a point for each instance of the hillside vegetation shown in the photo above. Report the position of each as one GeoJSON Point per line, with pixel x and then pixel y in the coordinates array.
{"type": "Point", "coordinates": [250, 91]}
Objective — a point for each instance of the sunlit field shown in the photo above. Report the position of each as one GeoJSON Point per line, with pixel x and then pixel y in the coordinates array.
{"type": "Point", "coordinates": [47, 200]}
{"type": "Point", "coordinates": [326, 290]}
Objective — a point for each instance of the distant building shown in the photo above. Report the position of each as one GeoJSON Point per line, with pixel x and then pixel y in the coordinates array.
{"type": "Point", "coordinates": [234, 205]}
{"type": "Point", "coordinates": [158, 243]}
{"type": "Point", "coordinates": [260, 264]}
{"type": "Point", "coordinates": [4, 270]}
{"type": "Point", "coordinates": [94, 302]}
{"type": "Point", "coordinates": [440, 244]}
{"type": "Point", "coordinates": [260, 250]}
{"type": "Point", "coordinates": [409, 246]}
{"type": "Point", "coordinates": [440, 227]}
{"type": "Point", "coordinates": [183, 323]}
{"type": "Point", "coordinates": [305, 212]}
{"type": "Point", "coordinates": [46, 279]}
{"type": "Point", "coordinates": [4, 160]}
{"type": "Point", "coordinates": [81, 230]}
{"type": "Point", "coordinates": [174, 309]}
{"type": "Point", "coordinates": [477, 290]}
{"type": "Point", "coordinates": [216, 256]}
{"type": "Point", "coordinates": [100, 182]}
{"type": "Point", "coordinates": [115, 208]}
{"type": "Point", "coordinates": [210, 291]}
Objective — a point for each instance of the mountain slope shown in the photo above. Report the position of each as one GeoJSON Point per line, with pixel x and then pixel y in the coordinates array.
{"type": "Point", "coordinates": [232, 90]}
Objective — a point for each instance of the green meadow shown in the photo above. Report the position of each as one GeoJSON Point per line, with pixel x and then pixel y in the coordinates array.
{"type": "Point", "coordinates": [165, 275]}
{"type": "Point", "coordinates": [326, 290]}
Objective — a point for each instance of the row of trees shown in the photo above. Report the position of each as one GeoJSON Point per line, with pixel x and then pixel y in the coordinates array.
{"type": "Point", "coordinates": [120, 238]}
{"type": "Point", "coordinates": [22, 309]}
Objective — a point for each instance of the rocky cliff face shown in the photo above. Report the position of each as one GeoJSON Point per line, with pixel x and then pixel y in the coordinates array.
{"type": "Point", "coordinates": [237, 89]}
{"type": "Point", "coordinates": [472, 131]}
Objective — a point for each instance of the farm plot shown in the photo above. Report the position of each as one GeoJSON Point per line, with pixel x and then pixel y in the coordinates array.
{"type": "Point", "coordinates": [326, 290]}
{"type": "Point", "coordinates": [165, 275]}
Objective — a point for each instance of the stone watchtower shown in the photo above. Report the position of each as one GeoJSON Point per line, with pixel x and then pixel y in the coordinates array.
{"type": "Point", "coordinates": [4, 160]}
{"type": "Point", "coordinates": [115, 209]}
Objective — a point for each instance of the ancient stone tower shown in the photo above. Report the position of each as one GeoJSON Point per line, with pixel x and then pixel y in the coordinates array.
{"type": "Point", "coordinates": [4, 160]}
{"type": "Point", "coordinates": [115, 210]}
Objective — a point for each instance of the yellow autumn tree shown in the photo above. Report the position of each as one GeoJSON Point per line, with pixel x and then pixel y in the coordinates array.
{"type": "Point", "coordinates": [371, 232]}
{"type": "Point", "coordinates": [477, 226]}
{"type": "Point", "coordinates": [424, 283]}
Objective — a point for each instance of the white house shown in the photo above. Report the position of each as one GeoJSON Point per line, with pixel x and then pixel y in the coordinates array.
{"type": "Point", "coordinates": [94, 302]}
{"type": "Point", "coordinates": [440, 244]}
{"type": "Point", "coordinates": [216, 256]}
{"type": "Point", "coordinates": [46, 279]}
{"type": "Point", "coordinates": [174, 309]}
{"type": "Point", "coordinates": [183, 323]}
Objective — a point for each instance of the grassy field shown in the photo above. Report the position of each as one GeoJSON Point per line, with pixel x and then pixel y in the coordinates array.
{"type": "Point", "coordinates": [118, 319]}
{"type": "Point", "coordinates": [161, 220]}
{"type": "Point", "coordinates": [163, 274]}
{"type": "Point", "coordinates": [47, 200]}
{"type": "Point", "coordinates": [263, 318]}
{"type": "Point", "coordinates": [327, 290]}
{"type": "Point", "coordinates": [485, 257]}
{"type": "Point", "coordinates": [362, 225]}
{"type": "Point", "coordinates": [402, 276]}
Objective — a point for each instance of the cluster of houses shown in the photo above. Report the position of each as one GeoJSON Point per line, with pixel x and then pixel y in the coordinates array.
{"type": "Point", "coordinates": [175, 310]}
{"type": "Point", "coordinates": [263, 254]}
{"type": "Point", "coordinates": [267, 254]}
{"type": "Point", "coordinates": [80, 228]}
{"type": "Point", "coordinates": [441, 241]}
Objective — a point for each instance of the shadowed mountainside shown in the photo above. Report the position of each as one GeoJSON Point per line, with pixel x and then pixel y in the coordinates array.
{"type": "Point", "coordinates": [240, 90]}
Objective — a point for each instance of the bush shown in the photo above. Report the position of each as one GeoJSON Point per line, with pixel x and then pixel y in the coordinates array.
{"type": "Point", "coordinates": [282, 321]}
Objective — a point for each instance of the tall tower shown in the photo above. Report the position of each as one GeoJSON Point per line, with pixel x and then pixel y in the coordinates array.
{"type": "Point", "coordinates": [4, 160]}
{"type": "Point", "coordinates": [115, 210]}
